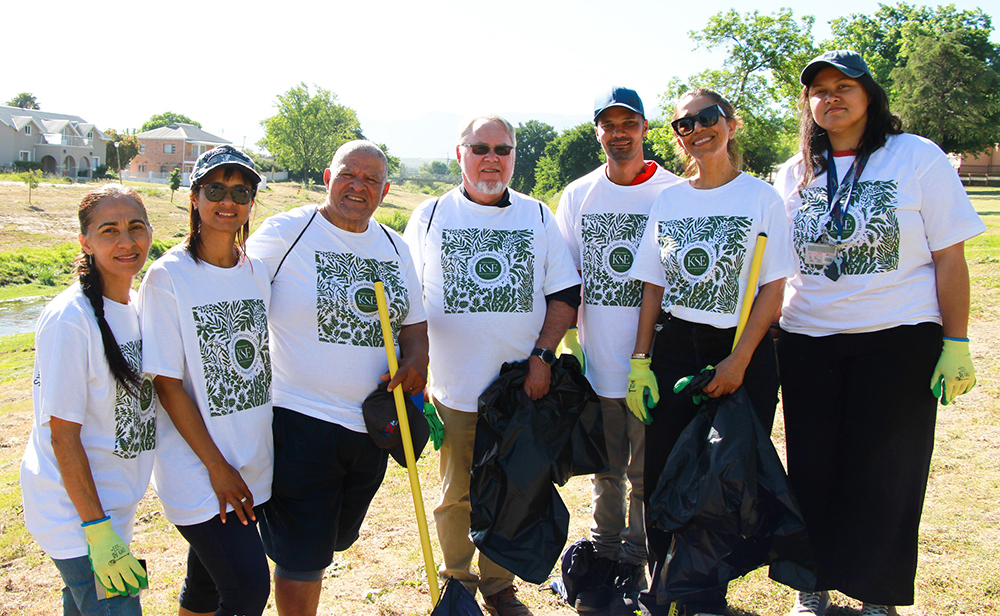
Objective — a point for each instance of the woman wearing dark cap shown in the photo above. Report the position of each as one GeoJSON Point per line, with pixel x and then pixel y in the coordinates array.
{"type": "Point", "coordinates": [204, 322]}
{"type": "Point", "coordinates": [874, 329]}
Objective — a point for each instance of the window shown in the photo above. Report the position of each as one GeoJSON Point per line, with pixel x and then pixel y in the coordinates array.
{"type": "Point", "coordinates": [142, 168]}
{"type": "Point", "coordinates": [90, 135]}
{"type": "Point", "coordinates": [142, 149]}
{"type": "Point", "coordinates": [169, 148]}
{"type": "Point", "coordinates": [27, 129]}
{"type": "Point", "coordinates": [24, 155]}
{"type": "Point", "coordinates": [97, 162]}
{"type": "Point", "coordinates": [163, 168]}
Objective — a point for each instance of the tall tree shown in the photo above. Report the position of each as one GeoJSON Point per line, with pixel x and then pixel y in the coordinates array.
{"type": "Point", "coordinates": [569, 156]}
{"type": "Point", "coordinates": [308, 129]}
{"type": "Point", "coordinates": [24, 100]}
{"type": "Point", "coordinates": [174, 181]}
{"type": "Point", "coordinates": [952, 98]}
{"type": "Point", "coordinates": [532, 137]}
{"type": "Point", "coordinates": [392, 162]}
{"type": "Point", "coordinates": [166, 119]}
{"type": "Point", "coordinates": [118, 157]}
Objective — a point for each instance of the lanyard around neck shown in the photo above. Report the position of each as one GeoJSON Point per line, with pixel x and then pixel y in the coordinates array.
{"type": "Point", "coordinates": [838, 197]}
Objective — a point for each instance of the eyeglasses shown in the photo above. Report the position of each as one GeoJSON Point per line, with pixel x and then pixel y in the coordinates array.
{"type": "Point", "coordinates": [217, 192]}
{"type": "Point", "coordinates": [480, 149]}
{"type": "Point", "coordinates": [709, 116]}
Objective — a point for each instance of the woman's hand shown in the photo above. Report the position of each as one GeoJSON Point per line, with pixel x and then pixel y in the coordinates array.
{"type": "Point", "coordinates": [728, 377]}
{"type": "Point", "coordinates": [230, 488]}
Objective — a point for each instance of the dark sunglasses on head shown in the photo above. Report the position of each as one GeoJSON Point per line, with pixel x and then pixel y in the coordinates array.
{"type": "Point", "coordinates": [709, 116]}
{"type": "Point", "coordinates": [217, 192]}
{"type": "Point", "coordinates": [480, 149]}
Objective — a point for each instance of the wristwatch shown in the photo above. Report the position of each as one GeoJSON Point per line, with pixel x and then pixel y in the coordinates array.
{"type": "Point", "coordinates": [547, 356]}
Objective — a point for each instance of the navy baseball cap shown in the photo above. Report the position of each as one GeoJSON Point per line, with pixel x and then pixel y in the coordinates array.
{"type": "Point", "coordinates": [223, 155]}
{"type": "Point", "coordinates": [617, 96]}
{"type": "Point", "coordinates": [846, 61]}
{"type": "Point", "coordinates": [382, 423]}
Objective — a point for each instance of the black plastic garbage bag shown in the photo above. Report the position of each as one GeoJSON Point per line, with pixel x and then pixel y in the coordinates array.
{"type": "Point", "coordinates": [456, 600]}
{"type": "Point", "coordinates": [522, 448]}
{"type": "Point", "coordinates": [724, 495]}
{"type": "Point", "coordinates": [577, 564]}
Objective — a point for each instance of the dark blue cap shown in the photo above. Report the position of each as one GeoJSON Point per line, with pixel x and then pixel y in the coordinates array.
{"type": "Point", "coordinates": [617, 96]}
{"type": "Point", "coordinates": [223, 155]}
{"type": "Point", "coordinates": [846, 61]}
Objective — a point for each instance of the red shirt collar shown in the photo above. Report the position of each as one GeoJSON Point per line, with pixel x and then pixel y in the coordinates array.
{"type": "Point", "coordinates": [647, 173]}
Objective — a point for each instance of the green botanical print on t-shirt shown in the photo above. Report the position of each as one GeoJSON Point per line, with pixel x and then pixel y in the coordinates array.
{"type": "Point", "coordinates": [702, 259]}
{"type": "Point", "coordinates": [135, 417]}
{"type": "Point", "coordinates": [609, 244]}
{"type": "Point", "coordinates": [487, 270]}
{"type": "Point", "coordinates": [232, 338]}
{"type": "Point", "coordinates": [346, 309]}
{"type": "Point", "coordinates": [871, 230]}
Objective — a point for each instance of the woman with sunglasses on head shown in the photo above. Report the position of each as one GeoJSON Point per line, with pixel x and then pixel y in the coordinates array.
{"type": "Point", "coordinates": [204, 320]}
{"type": "Point", "coordinates": [695, 260]}
{"type": "Point", "coordinates": [874, 329]}
{"type": "Point", "coordinates": [90, 454]}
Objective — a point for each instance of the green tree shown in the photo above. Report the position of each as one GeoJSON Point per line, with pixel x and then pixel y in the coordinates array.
{"type": "Point", "coordinates": [532, 137]}
{"type": "Point", "coordinates": [174, 181]}
{"type": "Point", "coordinates": [952, 98]}
{"type": "Point", "coordinates": [654, 148]}
{"type": "Point", "coordinates": [573, 154]}
{"type": "Point", "coordinates": [392, 162]}
{"type": "Point", "coordinates": [455, 168]}
{"type": "Point", "coordinates": [308, 129]}
{"type": "Point", "coordinates": [166, 119]}
{"type": "Point", "coordinates": [24, 100]}
{"type": "Point", "coordinates": [31, 179]}
{"type": "Point", "coordinates": [120, 149]}
{"type": "Point", "coordinates": [434, 167]}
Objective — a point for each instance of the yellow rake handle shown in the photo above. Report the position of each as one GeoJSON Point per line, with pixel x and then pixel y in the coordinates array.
{"type": "Point", "coordinates": [748, 295]}
{"type": "Point", "coordinates": [411, 464]}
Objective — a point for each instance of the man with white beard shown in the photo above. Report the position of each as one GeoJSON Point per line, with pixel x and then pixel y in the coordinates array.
{"type": "Point", "coordinates": [499, 286]}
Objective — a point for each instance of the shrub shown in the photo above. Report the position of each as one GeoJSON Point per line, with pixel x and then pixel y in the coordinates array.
{"type": "Point", "coordinates": [395, 219]}
{"type": "Point", "coordinates": [21, 166]}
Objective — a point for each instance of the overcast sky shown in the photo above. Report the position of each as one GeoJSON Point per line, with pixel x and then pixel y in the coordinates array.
{"type": "Point", "coordinates": [410, 70]}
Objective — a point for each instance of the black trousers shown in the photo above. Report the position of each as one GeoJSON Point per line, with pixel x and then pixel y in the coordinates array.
{"type": "Point", "coordinates": [859, 425]}
{"type": "Point", "coordinates": [683, 348]}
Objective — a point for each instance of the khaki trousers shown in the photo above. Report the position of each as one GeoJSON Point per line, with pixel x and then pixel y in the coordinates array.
{"type": "Point", "coordinates": [452, 515]}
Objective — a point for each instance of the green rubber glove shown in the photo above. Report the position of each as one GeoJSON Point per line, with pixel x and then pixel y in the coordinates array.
{"type": "Point", "coordinates": [643, 394]}
{"type": "Point", "coordinates": [116, 569]}
{"type": "Point", "coordinates": [437, 429]}
{"type": "Point", "coordinates": [700, 398]}
{"type": "Point", "coordinates": [954, 373]}
{"type": "Point", "coordinates": [570, 345]}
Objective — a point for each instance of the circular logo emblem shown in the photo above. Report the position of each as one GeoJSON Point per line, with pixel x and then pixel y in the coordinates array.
{"type": "Point", "coordinates": [620, 259]}
{"type": "Point", "coordinates": [145, 395]}
{"type": "Point", "coordinates": [364, 298]}
{"type": "Point", "coordinates": [696, 261]}
{"type": "Point", "coordinates": [244, 354]}
{"type": "Point", "coordinates": [489, 269]}
{"type": "Point", "coordinates": [850, 226]}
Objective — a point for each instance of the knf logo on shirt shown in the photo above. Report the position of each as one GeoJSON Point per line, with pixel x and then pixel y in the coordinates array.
{"type": "Point", "coordinates": [246, 358]}
{"type": "Point", "coordinates": [696, 260]}
{"type": "Point", "coordinates": [364, 299]}
{"type": "Point", "coordinates": [489, 269]}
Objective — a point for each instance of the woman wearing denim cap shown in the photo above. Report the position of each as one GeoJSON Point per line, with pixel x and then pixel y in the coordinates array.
{"type": "Point", "coordinates": [88, 460]}
{"type": "Point", "coordinates": [204, 323]}
{"type": "Point", "coordinates": [874, 329]}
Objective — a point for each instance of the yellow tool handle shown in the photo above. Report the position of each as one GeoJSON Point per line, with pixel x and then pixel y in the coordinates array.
{"type": "Point", "coordinates": [748, 295]}
{"type": "Point", "coordinates": [411, 463]}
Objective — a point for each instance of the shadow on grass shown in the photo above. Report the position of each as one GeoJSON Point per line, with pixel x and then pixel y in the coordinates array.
{"type": "Point", "coordinates": [984, 193]}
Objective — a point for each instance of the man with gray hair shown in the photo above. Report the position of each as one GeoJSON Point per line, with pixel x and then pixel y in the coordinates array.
{"type": "Point", "coordinates": [499, 286]}
{"type": "Point", "coordinates": [328, 355]}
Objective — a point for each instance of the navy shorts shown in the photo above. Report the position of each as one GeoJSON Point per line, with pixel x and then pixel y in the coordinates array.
{"type": "Point", "coordinates": [325, 476]}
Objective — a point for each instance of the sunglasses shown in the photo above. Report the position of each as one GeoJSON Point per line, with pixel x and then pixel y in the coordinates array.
{"type": "Point", "coordinates": [217, 192]}
{"type": "Point", "coordinates": [480, 149]}
{"type": "Point", "coordinates": [709, 116]}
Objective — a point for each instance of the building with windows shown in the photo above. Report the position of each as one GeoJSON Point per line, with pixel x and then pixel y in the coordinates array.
{"type": "Point", "coordinates": [64, 144]}
{"type": "Point", "coordinates": [175, 146]}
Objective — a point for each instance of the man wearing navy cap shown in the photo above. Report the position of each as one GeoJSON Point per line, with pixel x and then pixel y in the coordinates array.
{"type": "Point", "coordinates": [602, 217]}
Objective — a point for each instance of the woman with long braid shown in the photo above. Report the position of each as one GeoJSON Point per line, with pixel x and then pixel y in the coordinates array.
{"type": "Point", "coordinates": [90, 454]}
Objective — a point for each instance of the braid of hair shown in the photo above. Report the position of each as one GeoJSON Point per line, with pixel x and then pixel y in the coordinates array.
{"type": "Point", "coordinates": [93, 288]}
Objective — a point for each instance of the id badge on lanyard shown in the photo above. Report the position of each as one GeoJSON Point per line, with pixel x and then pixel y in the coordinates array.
{"type": "Point", "coordinates": [839, 200]}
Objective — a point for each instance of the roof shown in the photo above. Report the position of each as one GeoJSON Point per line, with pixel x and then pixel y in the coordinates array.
{"type": "Point", "coordinates": [7, 115]}
{"type": "Point", "coordinates": [177, 130]}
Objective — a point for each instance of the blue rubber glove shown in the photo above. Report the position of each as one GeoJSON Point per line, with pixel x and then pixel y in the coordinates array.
{"type": "Point", "coordinates": [570, 345]}
{"type": "Point", "coordinates": [954, 373]}
{"type": "Point", "coordinates": [437, 428]}
{"type": "Point", "coordinates": [643, 393]}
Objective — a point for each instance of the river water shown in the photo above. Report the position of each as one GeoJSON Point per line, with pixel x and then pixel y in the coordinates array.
{"type": "Point", "coordinates": [18, 316]}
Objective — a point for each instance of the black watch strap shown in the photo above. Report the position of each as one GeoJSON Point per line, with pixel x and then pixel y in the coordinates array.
{"type": "Point", "coordinates": [547, 356]}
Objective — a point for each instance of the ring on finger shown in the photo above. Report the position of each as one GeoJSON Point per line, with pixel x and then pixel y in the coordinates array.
{"type": "Point", "coordinates": [243, 500]}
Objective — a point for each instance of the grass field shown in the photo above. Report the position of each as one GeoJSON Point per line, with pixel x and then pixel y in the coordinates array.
{"type": "Point", "coordinates": [959, 550]}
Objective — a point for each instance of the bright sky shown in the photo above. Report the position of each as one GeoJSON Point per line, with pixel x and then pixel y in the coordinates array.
{"type": "Point", "coordinates": [410, 70]}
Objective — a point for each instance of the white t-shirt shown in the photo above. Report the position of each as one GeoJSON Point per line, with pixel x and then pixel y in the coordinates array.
{"type": "Point", "coordinates": [72, 382]}
{"type": "Point", "coordinates": [909, 202]}
{"type": "Point", "coordinates": [699, 246]}
{"type": "Point", "coordinates": [207, 326]}
{"type": "Point", "coordinates": [327, 339]}
{"type": "Point", "coordinates": [485, 272]}
{"type": "Point", "coordinates": [602, 224]}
